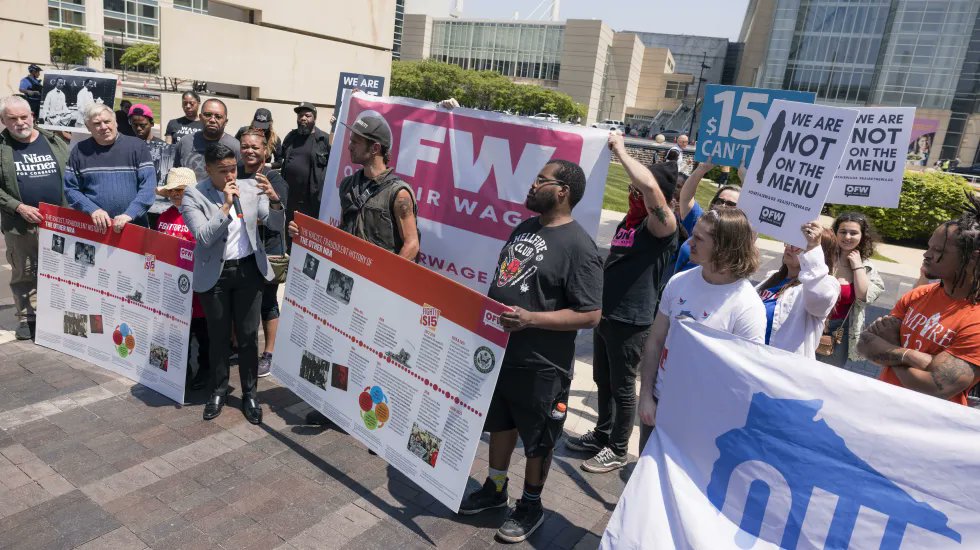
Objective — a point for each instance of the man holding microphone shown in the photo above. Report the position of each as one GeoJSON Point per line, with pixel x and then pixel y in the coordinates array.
{"type": "Point", "coordinates": [231, 268]}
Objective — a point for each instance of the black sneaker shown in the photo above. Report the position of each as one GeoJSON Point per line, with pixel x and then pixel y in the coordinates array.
{"type": "Point", "coordinates": [604, 461]}
{"type": "Point", "coordinates": [484, 499]}
{"type": "Point", "coordinates": [589, 442]}
{"type": "Point", "coordinates": [23, 331]}
{"type": "Point", "coordinates": [524, 519]}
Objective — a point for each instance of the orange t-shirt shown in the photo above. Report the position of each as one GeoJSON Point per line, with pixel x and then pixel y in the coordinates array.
{"type": "Point", "coordinates": [932, 322]}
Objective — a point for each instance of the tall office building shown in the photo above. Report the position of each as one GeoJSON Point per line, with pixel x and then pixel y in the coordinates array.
{"type": "Point", "coordinates": [269, 53]}
{"type": "Point", "coordinates": [612, 73]}
{"type": "Point", "coordinates": [911, 53]}
{"type": "Point", "coordinates": [690, 51]}
{"type": "Point", "coordinates": [396, 45]}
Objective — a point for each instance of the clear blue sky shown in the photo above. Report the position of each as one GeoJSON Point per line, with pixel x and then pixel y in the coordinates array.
{"type": "Point", "coordinates": [722, 18]}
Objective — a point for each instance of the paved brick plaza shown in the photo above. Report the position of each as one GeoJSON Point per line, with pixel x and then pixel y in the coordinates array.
{"type": "Point", "coordinates": [89, 459]}
{"type": "Point", "coordinates": [92, 460]}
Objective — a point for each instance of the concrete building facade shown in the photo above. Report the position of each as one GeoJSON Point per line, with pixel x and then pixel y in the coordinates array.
{"type": "Point", "coordinates": [612, 73]}
{"type": "Point", "coordinates": [907, 53]}
{"type": "Point", "coordinates": [252, 53]}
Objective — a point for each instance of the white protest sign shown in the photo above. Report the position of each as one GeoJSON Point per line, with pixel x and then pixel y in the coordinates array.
{"type": "Point", "coordinates": [787, 182]}
{"type": "Point", "coordinates": [756, 447]}
{"type": "Point", "coordinates": [870, 174]}
{"type": "Point", "coordinates": [401, 358]}
{"type": "Point", "coordinates": [121, 301]}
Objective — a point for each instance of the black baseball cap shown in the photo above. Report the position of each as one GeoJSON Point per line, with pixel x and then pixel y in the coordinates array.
{"type": "Point", "coordinates": [32, 67]}
{"type": "Point", "coordinates": [305, 106]}
{"type": "Point", "coordinates": [373, 128]}
{"type": "Point", "coordinates": [262, 119]}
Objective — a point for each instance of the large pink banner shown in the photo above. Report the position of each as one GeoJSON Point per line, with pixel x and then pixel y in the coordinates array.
{"type": "Point", "coordinates": [471, 171]}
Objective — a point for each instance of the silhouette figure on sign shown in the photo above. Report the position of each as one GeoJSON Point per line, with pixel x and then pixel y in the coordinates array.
{"type": "Point", "coordinates": [772, 143]}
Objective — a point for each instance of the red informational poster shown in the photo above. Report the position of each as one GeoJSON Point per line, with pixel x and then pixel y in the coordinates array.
{"type": "Point", "coordinates": [398, 356]}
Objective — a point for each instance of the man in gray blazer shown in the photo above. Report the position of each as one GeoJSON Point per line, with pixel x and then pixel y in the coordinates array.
{"type": "Point", "coordinates": [231, 268]}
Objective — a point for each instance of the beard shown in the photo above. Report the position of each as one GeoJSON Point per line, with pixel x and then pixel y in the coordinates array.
{"type": "Point", "coordinates": [541, 203]}
{"type": "Point", "coordinates": [304, 130]}
{"type": "Point", "coordinates": [25, 134]}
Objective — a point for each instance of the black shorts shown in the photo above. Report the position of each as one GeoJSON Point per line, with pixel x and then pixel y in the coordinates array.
{"type": "Point", "coordinates": [524, 399]}
{"type": "Point", "coordinates": [270, 302]}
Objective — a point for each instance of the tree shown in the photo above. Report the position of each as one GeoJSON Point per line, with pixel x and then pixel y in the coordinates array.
{"type": "Point", "coordinates": [72, 47]}
{"type": "Point", "coordinates": [488, 90]}
{"type": "Point", "coordinates": [146, 58]}
{"type": "Point", "coordinates": [142, 57]}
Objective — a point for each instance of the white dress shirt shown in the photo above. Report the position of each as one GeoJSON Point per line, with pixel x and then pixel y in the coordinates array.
{"type": "Point", "coordinates": [238, 245]}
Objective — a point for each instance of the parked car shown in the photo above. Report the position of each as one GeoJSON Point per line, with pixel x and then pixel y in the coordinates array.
{"type": "Point", "coordinates": [671, 135]}
{"type": "Point", "coordinates": [545, 116]}
{"type": "Point", "coordinates": [609, 124]}
{"type": "Point", "coordinates": [967, 170]}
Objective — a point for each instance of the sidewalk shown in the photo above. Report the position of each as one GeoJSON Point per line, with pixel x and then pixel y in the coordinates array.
{"type": "Point", "coordinates": [91, 460]}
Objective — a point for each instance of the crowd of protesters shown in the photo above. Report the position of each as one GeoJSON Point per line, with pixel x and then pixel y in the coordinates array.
{"type": "Point", "coordinates": [670, 261]}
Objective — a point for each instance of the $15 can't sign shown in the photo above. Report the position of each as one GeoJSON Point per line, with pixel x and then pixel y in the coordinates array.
{"type": "Point", "coordinates": [732, 118]}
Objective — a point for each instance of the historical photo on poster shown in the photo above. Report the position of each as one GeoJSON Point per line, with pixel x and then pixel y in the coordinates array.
{"type": "Point", "coordinates": [67, 94]}
{"type": "Point", "coordinates": [159, 357]}
{"type": "Point", "coordinates": [314, 370]}
{"type": "Point", "coordinates": [58, 244]}
{"type": "Point", "coordinates": [424, 445]}
{"type": "Point", "coordinates": [76, 324]}
{"type": "Point", "coordinates": [338, 377]}
{"type": "Point", "coordinates": [340, 285]}
{"type": "Point", "coordinates": [310, 265]}
{"type": "Point", "coordinates": [85, 253]}
{"type": "Point", "coordinates": [95, 324]}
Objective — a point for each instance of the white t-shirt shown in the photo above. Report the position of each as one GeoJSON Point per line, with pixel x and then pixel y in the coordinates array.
{"type": "Point", "coordinates": [734, 308]}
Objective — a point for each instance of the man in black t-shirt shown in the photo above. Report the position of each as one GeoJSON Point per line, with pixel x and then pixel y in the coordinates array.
{"type": "Point", "coordinates": [33, 176]}
{"type": "Point", "coordinates": [305, 152]}
{"type": "Point", "coordinates": [639, 253]}
{"type": "Point", "coordinates": [550, 273]}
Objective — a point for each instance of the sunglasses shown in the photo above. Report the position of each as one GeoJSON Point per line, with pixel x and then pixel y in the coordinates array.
{"type": "Point", "coordinates": [634, 191]}
{"type": "Point", "coordinates": [723, 202]}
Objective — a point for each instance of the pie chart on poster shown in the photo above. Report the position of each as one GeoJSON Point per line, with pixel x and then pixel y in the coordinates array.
{"type": "Point", "coordinates": [124, 340]}
{"type": "Point", "coordinates": [374, 407]}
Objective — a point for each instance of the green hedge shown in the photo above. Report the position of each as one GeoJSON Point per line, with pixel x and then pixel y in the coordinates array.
{"type": "Point", "coordinates": [928, 199]}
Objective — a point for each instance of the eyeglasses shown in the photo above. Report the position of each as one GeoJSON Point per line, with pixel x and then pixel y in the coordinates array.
{"type": "Point", "coordinates": [723, 202]}
{"type": "Point", "coordinates": [541, 181]}
{"type": "Point", "coordinates": [216, 116]}
{"type": "Point", "coordinates": [634, 191]}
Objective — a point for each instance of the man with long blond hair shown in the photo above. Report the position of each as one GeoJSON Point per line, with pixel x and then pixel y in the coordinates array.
{"type": "Point", "coordinates": [717, 294]}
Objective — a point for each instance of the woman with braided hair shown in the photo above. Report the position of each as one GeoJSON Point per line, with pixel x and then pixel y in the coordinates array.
{"type": "Point", "coordinates": [930, 342]}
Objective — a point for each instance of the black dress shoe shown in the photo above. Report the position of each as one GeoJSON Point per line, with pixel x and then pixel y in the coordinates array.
{"type": "Point", "coordinates": [213, 407]}
{"type": "Point", "coordinates": [252, 410]}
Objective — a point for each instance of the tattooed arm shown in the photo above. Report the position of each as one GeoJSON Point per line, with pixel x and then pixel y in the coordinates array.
{"type": "Point", "coordinates": [661, 221]}
{"type": "Point", "coordinates": [942, 375]}
{"type": "Point", "coordinates": [404, 209]}
{"type": "Point", "coordinates": [945, 376]}
{"type": "Point", "coordinates": [880, 343]}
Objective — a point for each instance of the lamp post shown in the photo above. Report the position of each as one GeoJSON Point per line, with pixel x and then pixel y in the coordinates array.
{"type": "Point", "coordinates": [697, 93]}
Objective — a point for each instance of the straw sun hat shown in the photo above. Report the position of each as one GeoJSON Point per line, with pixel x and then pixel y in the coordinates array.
{"type": "Point", "coordinates": [178, 178]}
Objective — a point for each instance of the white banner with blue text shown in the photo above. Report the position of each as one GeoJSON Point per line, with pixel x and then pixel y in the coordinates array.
{"type": "Point", "coordinates": [759, 448]}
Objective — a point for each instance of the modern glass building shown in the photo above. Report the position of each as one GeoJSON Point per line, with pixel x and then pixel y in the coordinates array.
{"type": "Point", "coordinates": [517, 49]}
{"type": "Point", "coordinates": [396, 44]}
{"type": "Point", "coordinates": [689, 52]}
{"type": "Point", "coordinates": [912, 53]}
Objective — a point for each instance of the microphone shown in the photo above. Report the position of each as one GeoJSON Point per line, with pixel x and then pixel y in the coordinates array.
{"type": "Point", "coordinates": [238, 206]}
